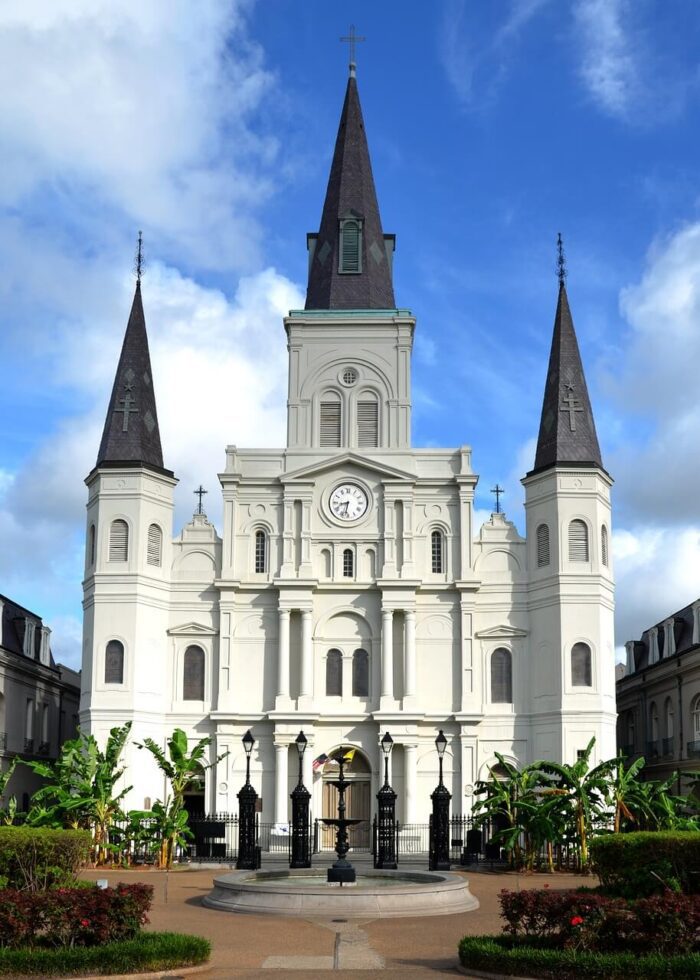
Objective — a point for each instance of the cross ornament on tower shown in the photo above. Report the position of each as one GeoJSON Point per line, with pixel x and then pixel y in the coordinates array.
{"type": "Point", "coordinates": [127, 409]}
{"type": "Point", "coordinates": [570, 405]}
{"type": "Point", "coordinates": [199, 492]}
{"type": "Point", "coordinates": [352, 39]}
{"type": "Point", "coordinates": [498, 491]}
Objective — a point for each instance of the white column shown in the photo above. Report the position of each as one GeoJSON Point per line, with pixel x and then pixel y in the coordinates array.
{"type": "Point", "coordinates": [387, 652]}
{"type": "Point", "coordinates": [281, 783]}
{"type": "Point", "coordinates": [306, 770]}
{"type": "Point", "coordinates": [410, 754]}
{"type": "Point", "coordinates": [283, 655]}
{"type": "Point", "coordinates": [409, 669]}
{"type": "Point", "coordinates": [306, 686]}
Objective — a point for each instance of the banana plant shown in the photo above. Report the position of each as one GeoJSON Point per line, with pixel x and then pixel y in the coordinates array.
{"type": "Point", "coordinates": [7, 815]}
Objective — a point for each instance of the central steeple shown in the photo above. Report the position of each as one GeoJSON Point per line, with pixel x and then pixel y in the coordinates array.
{"type": "Point", "coordinates": [350, 258]}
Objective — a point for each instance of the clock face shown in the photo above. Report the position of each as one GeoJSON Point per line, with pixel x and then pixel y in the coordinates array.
{"type": "Point", "coordinates": [348, 502]}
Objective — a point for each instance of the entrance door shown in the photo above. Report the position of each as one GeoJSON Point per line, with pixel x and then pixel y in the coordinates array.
{"type": "Point", "coordinates": [357, 801]}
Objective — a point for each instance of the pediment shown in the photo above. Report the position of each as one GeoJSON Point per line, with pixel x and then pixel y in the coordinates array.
{"type": "Point", "coordinates": [500, 631]}
{"type": "Point", "coordinates": [192, 629]}
{"type": "Point", "coordinates": [333, 462]}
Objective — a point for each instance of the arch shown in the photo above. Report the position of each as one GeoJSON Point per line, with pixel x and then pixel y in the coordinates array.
{"type": "Point", "coordinates": [360, 673]}
{"type": "Point", "coordinates": [348, 563]}
{"type": "Point", "coordinates": [367, 413]}
{"type": "Point", "coordinates": [330, 421]}
{"type": "Point", "coordinates": [349, 624]}
{"type": "Point", "coordinates": [542, 545]}
{"type": "Point", "coordinates": [114, 662]}
{"type": "Point", "coordinates": [371, 564]}
{"type": "Point", "coordinates": [91, 545]}
{"type": "Point", "coordinates": [195, 561]}
{"type": "Point", "coordinates": [193, 674]}
{"type": "Point", "coordinates": [326, 566]}
{"type": "Point", "coordinates": [154, 548]}
{"type": "Point", "coordinates": [359, 765]}
{"type": "Point", "coordinates": [581, 666]}
{"type": "Point", "coordinates": [604, 545]}
{"type": "Point", "coordinates": [119, 540]}
{"type": "Point", "coordinates": [322, 378]}
{"type": "Point", "coordinates": [437, 551]}
{"type": "Point", "coordinates": [261, 549]}
{"type": "Point", "coordinates": [350, 251]}
{"type": "Point", "coordinates": [492, 763]}
{"type": "Point", "coordinates": [578, 541]}
{"type": "Point", "coordinates": [334, 674]}
{"type": "Point", "coordinates": [501, 676]}
{"type": "Point", "coordinates": [498, 560]}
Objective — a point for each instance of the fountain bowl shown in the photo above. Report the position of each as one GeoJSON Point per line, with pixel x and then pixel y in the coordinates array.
{"type": "Point", "coordinates": [304, 893]}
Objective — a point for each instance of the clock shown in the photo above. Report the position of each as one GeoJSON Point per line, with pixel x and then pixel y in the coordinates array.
{"type": "Point", "coordinates": [348, 502]}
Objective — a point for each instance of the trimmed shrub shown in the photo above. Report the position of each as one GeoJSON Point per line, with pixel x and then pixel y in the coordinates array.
{"type": "Point", "coordinates": [648, 862]}
{"type": "Point", "coordinates": [151, 951]}
{"type": "Point", "coordinates": [73, 916]}
{"type": "Point", "coordinates": [35, 858]}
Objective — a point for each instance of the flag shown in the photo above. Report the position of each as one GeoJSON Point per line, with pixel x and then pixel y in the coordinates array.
{"type": "Point", "coordinates": [318, 762]}
{"type": "Point", "coordinates": [349, 755]}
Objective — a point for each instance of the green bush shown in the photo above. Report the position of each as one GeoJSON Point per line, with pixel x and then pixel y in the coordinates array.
{"type": "Point", "coordinates": [516, 957]}
{"type": "Point", "coordinates": [35, 858]}
{"type": "Point", "coordinates": [151, 951]}
{"type": "Point", "coordinates": [643, 863]}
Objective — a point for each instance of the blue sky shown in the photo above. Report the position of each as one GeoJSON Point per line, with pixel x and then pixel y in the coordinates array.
{"type": "Point", "coordinates": [492, 126]}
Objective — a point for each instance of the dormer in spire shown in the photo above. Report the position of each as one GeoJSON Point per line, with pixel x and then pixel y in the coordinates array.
{"type": "Point", "coordinates": [350, 259]}
{"type": "Point", "coordinates": [567, 434]}
{"type": "Point", "coordinates": [131, 437]}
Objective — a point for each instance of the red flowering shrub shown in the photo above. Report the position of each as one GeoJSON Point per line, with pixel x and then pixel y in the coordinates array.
{"type": "Point", "coordinates": [73, 916]}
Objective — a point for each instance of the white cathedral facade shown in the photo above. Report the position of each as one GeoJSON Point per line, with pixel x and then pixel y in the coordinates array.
{"type": "Point", "coordinates": [349, 592]}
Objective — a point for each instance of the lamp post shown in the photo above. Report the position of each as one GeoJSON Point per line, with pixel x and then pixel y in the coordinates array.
{"type": "Point", "coordinates": [301, 849]}
{"type": "Point", "coordinates": [248, 858]}
{"type": "Point", "coordinates": [439, 854]}
{"type": "Point", "coordinates": [385, 856]}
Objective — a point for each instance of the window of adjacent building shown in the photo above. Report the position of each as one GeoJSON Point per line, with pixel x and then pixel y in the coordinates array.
{"type": "Point", "coordinates": [578, 541]}
{"type": "Point", "coordinates": [668, 712]}
{"type": "Point", "coordinates": [330, 421]}
{"type": "Point", "coordinates": [437, 552]}
{"type": "Point", "coordinates": [348, 563]}
{"type": "Point", "coordinates": [114, 662]}
{"type": "Point", "coordinates": [542, 545]}
{"type": "Point", "coordinates": [501, 677]}
{"type": "Point", "coordinates": [653, 721]}
{"type": "Point", "coordinates": [260, 551]}
{"type": "Point", "coordinates": [45, 724]}
{"type": "Point", "coordinates": [91, 545]}
{"type": "Point", "coordinates": [29, 720]}
{"type": "Point", "coordinates": [367, 423]}
{"type": "Point", "coordinates": [193, 674]}
{"type": "Point", "coordinates": [696, 719]}
{"type": "Point", "coordinates": [155, 545]}
{"type": "Point", "coordinates": [604, 544]}
{"type": "Point", "coordinates": [334, 673]}
{"type": "Point", "coordinates": [360, 674]}
{"type": "Point", "coordinates": [350, 242]}
{"type": "Point", "coordinates": [119, 541]}
{"type": "Point", "coordinates": [581, 665]}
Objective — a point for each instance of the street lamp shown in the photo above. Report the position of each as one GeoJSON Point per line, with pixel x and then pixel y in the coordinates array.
{"type": "Point", "coordinates": [439, 846]}
{"type": "Point", "coordinates": [385, 852]}
{"type": "Point", "coordinates": [248, 853]}
{"type": "Point", "coordinates": [301, 849]}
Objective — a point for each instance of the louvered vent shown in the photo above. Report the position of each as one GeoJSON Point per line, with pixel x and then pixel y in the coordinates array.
{"type": "Point", "coordinates": [501, 677]}
{"type": "Point", "coordinates": [542, 545]}
{"type": "Point", "coordinates": [330, 423]}
{"type": "Point", "coordinates": [119, 541]}
{"type": "Point", "coordinates": [155, 545]}
{"type": "Point", "coordinates": [367, 424]}
{"type": "Point", "coordinates": [350, 247]}
{"type": "Point", "coordinates": [578, 541]}
{"type": "Point", "coordinates": [581, 665]}
{"type": "Point", "coordinates": [604, 544]}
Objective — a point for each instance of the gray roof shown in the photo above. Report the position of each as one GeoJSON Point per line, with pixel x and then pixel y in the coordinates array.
{"type": "Point", "coordinates": [131, 436]}
{"type": "Point", "coordinates": [567, 434]}
{"type": "Point", "coordinates": [351, 192]}
{"type": "Point", "coordinates": [683, 635]}
{"type": "Point", "coordinates": [13, 625]}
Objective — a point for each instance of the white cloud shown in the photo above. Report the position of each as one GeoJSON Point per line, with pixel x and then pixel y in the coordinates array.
{"type": "Point", "coordinates": [609, 67]}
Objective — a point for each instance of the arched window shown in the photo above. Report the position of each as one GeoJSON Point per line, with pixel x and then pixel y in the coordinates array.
{"type": "Point", "coordinates": [330, 420]}
{"type": "Point", "coordinates": [260, 551]}
{"type": "Point", "coordinates": [604, 544]}
{"type": "Point", "coordinates": [437, 552]}
{"type": "Point", "coordinates": [350, 241]}
{"type": "Point", "coordinates": [367, 422]}
{"type": "Point", "coordinates": [360, 674]}
{"type": "Point", "coordinates": [653, 721]}
{"type": "Point", "coordinates": [542, 545]}
{"type": "Point", "coordinates": [669, 725]}
{"type": "Point", "coordinates": [114, 662]}
{"type": "Point", "coordinates": [578, 541]}
{"type": "Point", "coordinates": [154, 550]}
{"type": "Point", "coordinates": [193, 674]}
{"type": "Point", "coordinates": [334, 673]}
{"type": "Point", "coordinates": [501, 677]}
{"type": "Point", "coordinates": [348, 563]}
{"type": "Point", "coordinates": [581, 665]}
{"type": "Point", "coordinates": [119, 541]}
{"type": "Point", "coordinates": [695, 715]}
{"type": "Point", "coordinates": [326, 562]}
{"type": "Point", "coordinates": [91, 545]}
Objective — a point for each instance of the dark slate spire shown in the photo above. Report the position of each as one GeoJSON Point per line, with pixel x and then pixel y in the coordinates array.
{"type": "Point", "coordinates": [567, 431]}
{"type": "Point", "coordinates": [350, 194]}
{"type": "Point", "coordinates": [131, 436]}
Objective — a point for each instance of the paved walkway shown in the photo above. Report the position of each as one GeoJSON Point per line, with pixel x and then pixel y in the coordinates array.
{"type": "Point", "coordinates": [270, 947]}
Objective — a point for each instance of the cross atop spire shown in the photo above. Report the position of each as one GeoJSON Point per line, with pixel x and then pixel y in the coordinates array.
{"type": "Point", "coordinates": [352, 39]}
{"type": "Point", "coordinates": [138, 260]}
{"type": "Point", "coordinates": [561, 261]}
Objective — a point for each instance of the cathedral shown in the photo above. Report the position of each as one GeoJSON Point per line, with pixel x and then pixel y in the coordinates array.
{"type": "Point", "coordinates": [349, 592]}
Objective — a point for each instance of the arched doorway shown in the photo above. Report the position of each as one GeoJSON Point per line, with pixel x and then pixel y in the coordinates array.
{"type": "Point", "coordinates": [194, 794]}
{"type": "Point", "coordinates": [358, 773]}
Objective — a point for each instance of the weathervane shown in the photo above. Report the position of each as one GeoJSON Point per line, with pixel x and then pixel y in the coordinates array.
{"type": "Point", "coordinates": [138, 261]}
{"type": "Point", "coordinates": [498, 491]}
{"type": "Point", "coordinates": [561, 261]}
{"type": "Point", "coordinates": [352, 39]}
{"type": "Point", "coordinates": [199, 492]}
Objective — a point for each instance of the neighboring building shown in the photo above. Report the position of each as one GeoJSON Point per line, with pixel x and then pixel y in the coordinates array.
{"type": "Point", "coordinates": [658, 699]}
{"type": "Point", "coordinates": [39, 699]}
{"type": "Point", "coordinates": [349, 592]}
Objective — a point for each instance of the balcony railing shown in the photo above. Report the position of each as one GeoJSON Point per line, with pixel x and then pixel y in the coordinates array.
{"type": "Point", "coordinates": [627, 750]}
{"type": "Point", "coordinates": [653, 749]}
{"type": "Point", "coordinates": [29, 746]}
{"type": "Point", "coordinates": [694, 749]}
{"type": "Point", "coordinates": [43, 748]}
{"type": "Point", "coordinates": [667, 746]}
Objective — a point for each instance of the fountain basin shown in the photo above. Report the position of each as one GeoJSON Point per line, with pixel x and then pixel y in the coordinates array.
{"type": "Point", "coordinates": [376, 895]}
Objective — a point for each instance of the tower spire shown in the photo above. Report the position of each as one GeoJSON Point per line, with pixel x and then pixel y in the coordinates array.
{"type": "Point", "coordinates": [567, 435]}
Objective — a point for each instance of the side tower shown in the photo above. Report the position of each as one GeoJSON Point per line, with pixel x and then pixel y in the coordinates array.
{"type": "Point", "coordinates": [127, 563]}
{"type": "Point", "coordinates": [571, 590]}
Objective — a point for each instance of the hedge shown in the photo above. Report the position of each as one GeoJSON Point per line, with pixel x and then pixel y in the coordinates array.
{"type": "Point", "coordinates": [35, 858]}
{"type": "Point", "coordinates": [638, 864]}
{"type": "Point", "coordinates": [150, 951]}
{"type": "Point", "coordinates": [515, 957]}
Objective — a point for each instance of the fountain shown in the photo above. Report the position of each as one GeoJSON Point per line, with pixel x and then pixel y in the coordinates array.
{"type": "Point", "coordinates": [341, 872]}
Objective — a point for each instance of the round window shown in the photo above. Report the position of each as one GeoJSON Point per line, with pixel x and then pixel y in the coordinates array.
{"type": "Point", "coordinates": [349, 376]}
